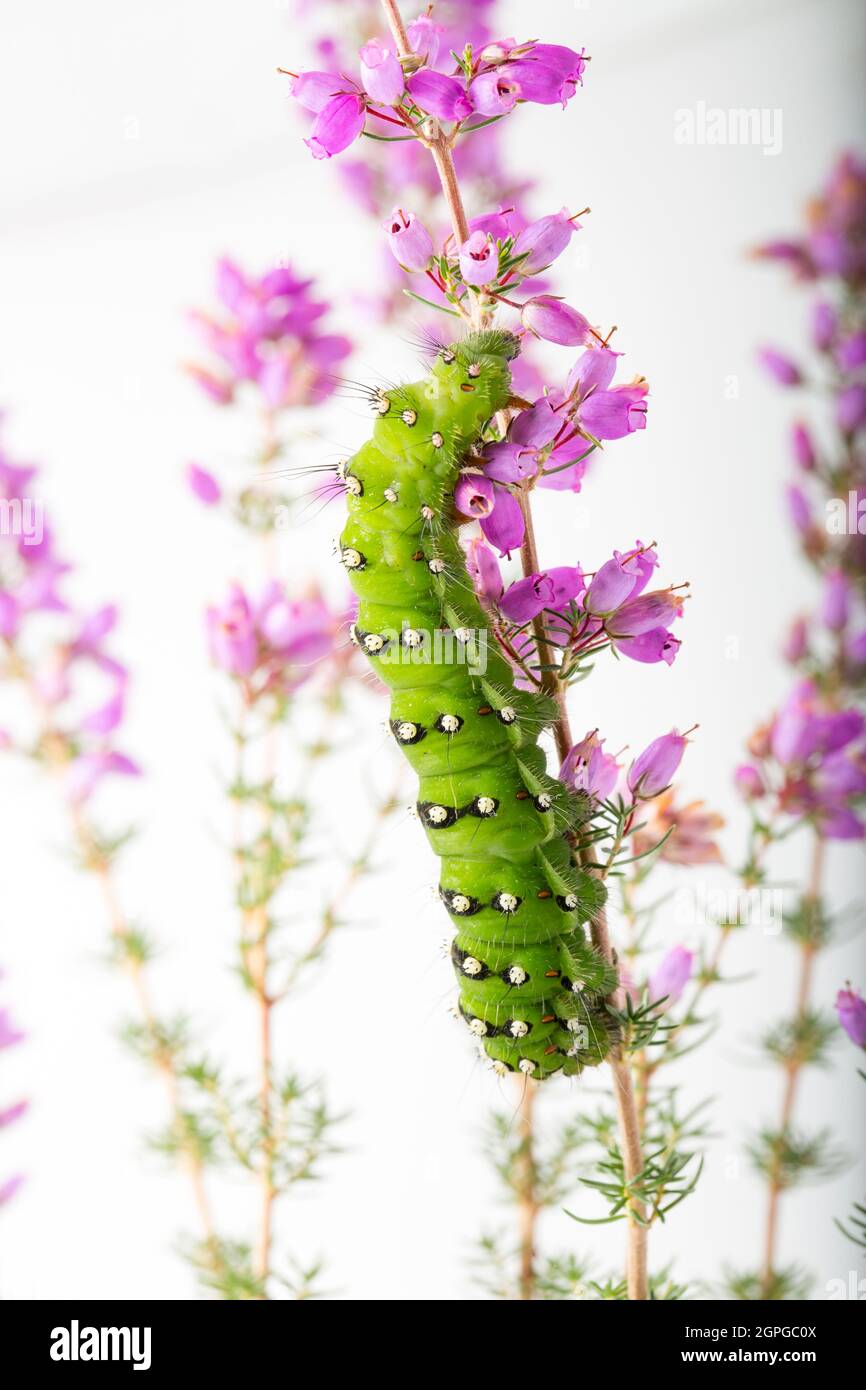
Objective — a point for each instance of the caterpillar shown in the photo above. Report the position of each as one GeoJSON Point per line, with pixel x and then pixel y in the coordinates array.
{"type": "Point", "coordinates": [531, 985]}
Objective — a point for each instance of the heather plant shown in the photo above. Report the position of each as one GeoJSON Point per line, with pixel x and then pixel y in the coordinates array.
{"type": "Point", "coordinates": [65, 693]}
{"type": "Point", "coordinates": [480, 665]}
{"type": "Point", "coordinates": [285, 667]}
{"type": "Point", "coordinates": [265, 341]}
{"type": "Point", "coordinates": [806, 774]}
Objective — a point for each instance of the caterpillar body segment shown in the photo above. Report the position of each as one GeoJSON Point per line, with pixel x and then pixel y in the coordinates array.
{"type": "Point", "coordinates": [531, 985]}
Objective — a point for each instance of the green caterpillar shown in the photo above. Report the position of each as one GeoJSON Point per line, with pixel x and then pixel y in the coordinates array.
{"type": "Point", "coordinates": [531, 985]}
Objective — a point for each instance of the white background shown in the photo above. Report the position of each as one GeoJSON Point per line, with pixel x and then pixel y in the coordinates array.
{"type": "Point", "coordinates": [139, 142]}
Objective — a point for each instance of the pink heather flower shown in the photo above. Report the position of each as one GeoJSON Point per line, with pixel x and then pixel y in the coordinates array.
{"type": "Point", "coordinates": [424, 38]}
{"type": "Point", "coordinates": [593, 371]}
{"type": "Point", "coordinates": [555, 588]}
{"type": "Point", "coordinates": [338, 125]}
{"type": "Point", "coordinates": [671, 976]}
{"type": "Point", "coordinates": [650, 647]}
{"type": "Point", "coordinates": [688, 831]}
{"type": "Point", "coordinates": [231, 634]}
{"type": "Point", "coordinates": [646, 613]}
{"type": "Point", "coordinates": [299, 631]}
{"type": "Point", "coordinates": [794, 735]}
{"type": "Point", "coordinates": [313, 90]}
{"type": "Point", "coordinates": [9, 1034]}
{"type": "Point", "coordinates": [479, 259]}
{"type": "Point", "coordinates": [614, 414]}
{"type": "Point", "coordinates": [494, 93]}
{"type": "Point", "coordinates": [611, 586]}
{"type": "Point", "coordinates": [824, 320]}
{"type": "Point", "coordinates": [87, 771]}
{"type": "Point", "coordinates": [474, 495]}
{"type": "Point", "coordinates": [203, 485]}
{"type": "Point", "coordinates": [748, 781]}
{"type": "Point", "coordinates": [851, 352]}
{"type": "Point", "coordinates": [484, 570]}
{"type": "Point", "coordinates": [107, 717]}
{"type": "Point", "coordinates": [799, 509]}
{"type": "Point", "coordinates": [217, 388]}
{"type": "Point", "coordinates": [548, 74]}
{"type": "Point", "coordinates": [542, 241]}
{"type": "Point", "coordinates": [586, 767]}
{"type": "Point", "coordinates": [533, 428]}
{"type": "Point", "coordinates": [439, 95]}
{"type": "Point", "coordinates": [781, 368]}
{"type": "Point", "coordinates": [803, 447]}
{"type": "Point", "coordinates": [836, 600]}
{"type": "Point", "coordinates": [9, 1187]}
{"type": "Point", "coordinates": [504, 527]}
{"type": "Point", "coordinates": [839, 823]}
{"type": "Point", "coordinates": [654, 769]}
{"type": "Point", "coordinates": [840, 775]}
{"type": "Point", "coordinates": [409, 240]}
{"type": "Point", "coordinates": [796, 643]}
{"type": "Point", "coordinates": [496, 223]}
{"type": "Point", "coordinates": [555, 321]}
{"type": "Point", "coordinates": [855, 648]}
{"type": "Point", "coordinates": [851, 1008]}
{"type": "Point", "coordinates": [381, 73]}
{"type": "Point", "coordinates": [13, 1113]}
{"type": "Point", "coordinates": [509, 463]}
{"type": "Point", "coordinates": [851, 408]}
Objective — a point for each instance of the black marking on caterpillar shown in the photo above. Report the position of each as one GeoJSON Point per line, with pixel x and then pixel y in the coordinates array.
{"type": "Point", "coordinates": [506, 857]}
{"type": "Point", "coordinates": [506, 903]}
{"type": "Point", "coordinates": [449, 724]}
{"type": "Point", "coordinates": [436, 816]}
{"type": "Point", "coordinates": [439, 817]}
{"type": "Point", "coordinates": [373, 643]}
{"type": "Point", "coordinates": [467, 964]}
{"type": "Point", "coordinates": [352, 559]}
{"type": "Point", "coordinates": [405, 731]}
{"type": "Point", "coordinates": [460, 904]}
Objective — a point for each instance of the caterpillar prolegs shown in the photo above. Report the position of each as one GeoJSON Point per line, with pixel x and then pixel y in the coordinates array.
{"type": "Point", "coordinates": [531, 984]}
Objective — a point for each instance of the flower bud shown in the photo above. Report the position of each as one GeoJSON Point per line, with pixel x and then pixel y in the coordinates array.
{"type": "Point", "coordinates": [541, 242]}
{"type": "Point", "coordinates": [479, 259]}
{"type": "Point", "coordinates": [671, 975]}
{"type": "Point", "coordinates": [381, 73]}
{"type": "Point", "coordinates": [781, 368]}
{"type": "Point", "coordinates": [748, 781]}
{"type": "Point", "coordinates": [654, 769]}
{"type": "Point", "coordinates": [556, 322]}
{"type": "Point", "coordinates": [409, 240]}
{"type": "Point", "coordinates": [803, 447]}
{"type": "Point", "coordinates": [438, 95]}
{"type": "Point", "coordinates": [851, 1008]}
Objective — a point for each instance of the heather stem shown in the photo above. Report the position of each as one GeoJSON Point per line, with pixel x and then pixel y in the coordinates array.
{"type": "Point", "coordinates": [121, 932]}
{"type": "Point", "coordinates": [793, 1072]}
{"type": "Point", "coordinates": [438, 145]}
{"type": "Point", "coordinates": [527, 1201]}
{"type": "Point", "coordinates": [626, 1105]}
{"type": "Point", "coordinates": [257, 926]}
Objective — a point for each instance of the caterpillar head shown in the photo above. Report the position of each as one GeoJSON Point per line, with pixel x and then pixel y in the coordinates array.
{"type": "Point", "coordinates": [475, 368]}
